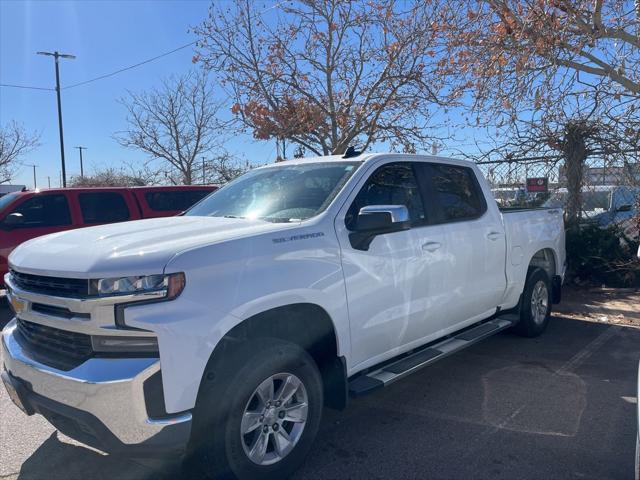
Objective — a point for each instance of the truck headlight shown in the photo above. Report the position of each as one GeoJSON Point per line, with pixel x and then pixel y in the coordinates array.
{"type": "Point", "coordinates": [169, 286]}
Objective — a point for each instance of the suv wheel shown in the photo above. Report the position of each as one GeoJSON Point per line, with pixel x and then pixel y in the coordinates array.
{"type": "Point", "coordinates": [260, 419]}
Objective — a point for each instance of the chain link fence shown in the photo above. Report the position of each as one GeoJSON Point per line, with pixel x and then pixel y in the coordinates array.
{"type": "Point", "coordinates": [610, 192]}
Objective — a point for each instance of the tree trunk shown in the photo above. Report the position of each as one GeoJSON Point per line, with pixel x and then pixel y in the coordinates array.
{"type": "Point", "coordinates": [575, 154]}
{"type": "Point", "coordinates": [188, 180]}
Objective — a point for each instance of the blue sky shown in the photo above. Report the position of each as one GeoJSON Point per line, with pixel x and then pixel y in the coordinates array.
{"type": "Point", "coordinates": [105, 36]}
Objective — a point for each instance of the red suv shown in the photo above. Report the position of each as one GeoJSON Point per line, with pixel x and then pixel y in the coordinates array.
{"type": "Point", "coordinates": [26, 215]}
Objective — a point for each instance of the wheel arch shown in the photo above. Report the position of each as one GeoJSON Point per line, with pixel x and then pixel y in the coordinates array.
{"type": "Point", "coordinates": [307, 325]}
{"type": "Point", "coordinates": [546, 259]}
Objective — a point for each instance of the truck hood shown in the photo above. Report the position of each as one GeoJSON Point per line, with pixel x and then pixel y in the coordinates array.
{"type": "Point", "coordinates": [142, 247]}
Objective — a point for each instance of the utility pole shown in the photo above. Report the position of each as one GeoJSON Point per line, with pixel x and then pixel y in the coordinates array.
{"type": "Point", "coordinates": [203, 180]}
{"type": "Point", "coordinates": [49, 180]}
{"type": "Point", "coordinates": [81, 168]}
{"type": "Point", "coordinates": [57, 56]}
{"type": "Point", "coordinates": [34, 175]}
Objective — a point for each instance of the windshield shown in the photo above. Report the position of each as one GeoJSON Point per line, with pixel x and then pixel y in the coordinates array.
{"type": "Point", "coordinates": [590, 200]}
{"type": "Point", "coordinates": [278, 194]}
{"type": "Point", "coordinates": [7, 199]}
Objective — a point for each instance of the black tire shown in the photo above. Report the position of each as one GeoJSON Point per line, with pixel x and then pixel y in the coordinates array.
{"type": "Point", "coordinates": [217, 449]}
{"type": "Point", "coordinates": [637, 476]}
{"type": "Point", "coordinates": [532, 323]}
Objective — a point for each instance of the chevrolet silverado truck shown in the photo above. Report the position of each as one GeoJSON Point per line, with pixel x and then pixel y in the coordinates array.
{"type": "Point", "coordinates": [219, 335]}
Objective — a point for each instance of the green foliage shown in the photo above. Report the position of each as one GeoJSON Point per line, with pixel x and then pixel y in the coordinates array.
{"type": "Point", "coordinates": [602, 256]}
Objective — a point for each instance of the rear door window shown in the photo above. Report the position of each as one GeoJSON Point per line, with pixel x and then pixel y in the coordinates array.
{"type": "Point", "coordinates": [103, 207]}
{"type": "Point", "coordinates": [456, 193]}
{"type": "Point", "coordinates": [44, 211]}
{"type": "Point", "coordinates": [176, 200]}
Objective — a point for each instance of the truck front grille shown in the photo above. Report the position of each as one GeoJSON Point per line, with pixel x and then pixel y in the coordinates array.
{"type": "Point", "coordinates": [56, 348]}
{"type": "Point", "coordinates": [59, 287]}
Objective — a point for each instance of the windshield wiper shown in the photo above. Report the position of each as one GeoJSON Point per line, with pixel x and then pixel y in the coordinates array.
{"type": "Point", "coordinates": [231, 216]}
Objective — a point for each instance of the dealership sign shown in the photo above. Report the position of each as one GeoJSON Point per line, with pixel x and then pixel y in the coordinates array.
{"type": "Point", "coordinates": [540, 184]}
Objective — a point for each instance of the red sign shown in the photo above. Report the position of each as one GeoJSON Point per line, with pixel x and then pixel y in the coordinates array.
{"type": "Point", "coordinates": [540, 184]}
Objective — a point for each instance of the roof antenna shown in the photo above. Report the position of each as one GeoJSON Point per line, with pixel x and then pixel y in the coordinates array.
{"type": "Point", "coordinates": [351, 152]}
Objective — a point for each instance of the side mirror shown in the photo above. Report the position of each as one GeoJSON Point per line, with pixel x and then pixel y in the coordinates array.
{"type": "Point", "coordinates": [624, 208]}
{"type": "Point", "coordinates": [13, 220]}
{"type": "Point", "coordinates": [377, 220]}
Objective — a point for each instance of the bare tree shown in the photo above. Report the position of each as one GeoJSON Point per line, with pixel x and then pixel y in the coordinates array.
{"type": "Point", "coordinates": [559, 80]}
{"type": "Point", "coordinates": [110, 177]}
{"type": "Point", "coordinates": [327, 74]}
{"type": "Point", "coordinates": [533, 51]}
{"type": "Point", "coordinates": [569, 136]}
{"type": "Point", "coordinates": [223, 169]}
{"type": "Point", "coordinates": [15, 142]}
{"type": "Point", "coordinates": [175, 124]}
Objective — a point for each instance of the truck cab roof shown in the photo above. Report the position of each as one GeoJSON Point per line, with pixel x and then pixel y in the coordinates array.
{"type": "Point", "coordinates": [367, 157]}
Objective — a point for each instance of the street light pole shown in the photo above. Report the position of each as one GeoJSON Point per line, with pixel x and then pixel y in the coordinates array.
{"type": "Point", "coordinates": [81, 167]}
{"type": "Point", "coordinates": [57, 56]}
{"type": "Point", "coordinates": [203, 176]}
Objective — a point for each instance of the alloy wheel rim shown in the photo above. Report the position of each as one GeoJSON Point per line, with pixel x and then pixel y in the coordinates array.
{"type": "Point", "coordinates": [274, 419]}
{"type": "Point", "coordinates": [539, 302]}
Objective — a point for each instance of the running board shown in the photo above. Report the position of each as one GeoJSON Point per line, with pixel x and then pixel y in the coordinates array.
{"type": "Point", "coordinates": [391, 372]}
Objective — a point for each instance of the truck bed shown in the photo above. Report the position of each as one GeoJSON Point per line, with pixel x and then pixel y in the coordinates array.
{"type": "Point", "coordinates": [530, 231]}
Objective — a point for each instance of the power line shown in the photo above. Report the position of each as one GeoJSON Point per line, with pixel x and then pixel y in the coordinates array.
{"type": "Point", "coordinates": [125, 68]}
{"type": "Point", "coordinates": [101, 76]}
{"type": "Point", "coordinates": [154, 58]}
{"type": "Point", "coordinates": [130, 67]}
{"type": "Point", "coordinates": [26, 87]}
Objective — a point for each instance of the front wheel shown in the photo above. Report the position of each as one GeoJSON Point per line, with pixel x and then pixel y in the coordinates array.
{"type": "Point", "coordinates": [637, 477]}
{"type": "Point", "coordinates": [535, 305]}
{"type": "Point", "coordinates": [262, 423]}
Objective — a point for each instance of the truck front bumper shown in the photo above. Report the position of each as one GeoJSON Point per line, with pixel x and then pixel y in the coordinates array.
{"type": "Point", "coordinates": [100, 403]}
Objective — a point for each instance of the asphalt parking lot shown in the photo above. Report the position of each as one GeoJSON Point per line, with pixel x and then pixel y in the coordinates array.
{"type": "Point", "coordinates": [557, 407]}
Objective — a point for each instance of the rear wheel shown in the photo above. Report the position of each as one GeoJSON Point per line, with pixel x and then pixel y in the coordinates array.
{"type": "Point", "coordinates": [535, 305]}
{"type": "Point", "coordinates": [260, 421]}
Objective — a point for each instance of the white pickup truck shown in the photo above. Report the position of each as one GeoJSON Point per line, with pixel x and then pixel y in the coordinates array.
{"type": "Point", "coordinates": [218, 335]}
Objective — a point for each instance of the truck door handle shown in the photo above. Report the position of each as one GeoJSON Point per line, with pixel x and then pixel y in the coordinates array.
{"type": "Point", "coordinates": [431, 246]}
{"type": "Point", "coordinates": [494, 236]}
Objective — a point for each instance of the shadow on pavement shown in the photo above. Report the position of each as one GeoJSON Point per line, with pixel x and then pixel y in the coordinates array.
{"type": "Point", "coordinates": [55, 459]}
{"type": "Point", "coordinates": [555, 407]}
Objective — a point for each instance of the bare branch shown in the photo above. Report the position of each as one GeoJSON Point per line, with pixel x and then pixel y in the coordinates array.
{"type": "Point", "coordinates": [15, 142]}
{"type": "Point", "coordinates": [329, 73]}
{"type": "Point", "coordinates": [175, 124]}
